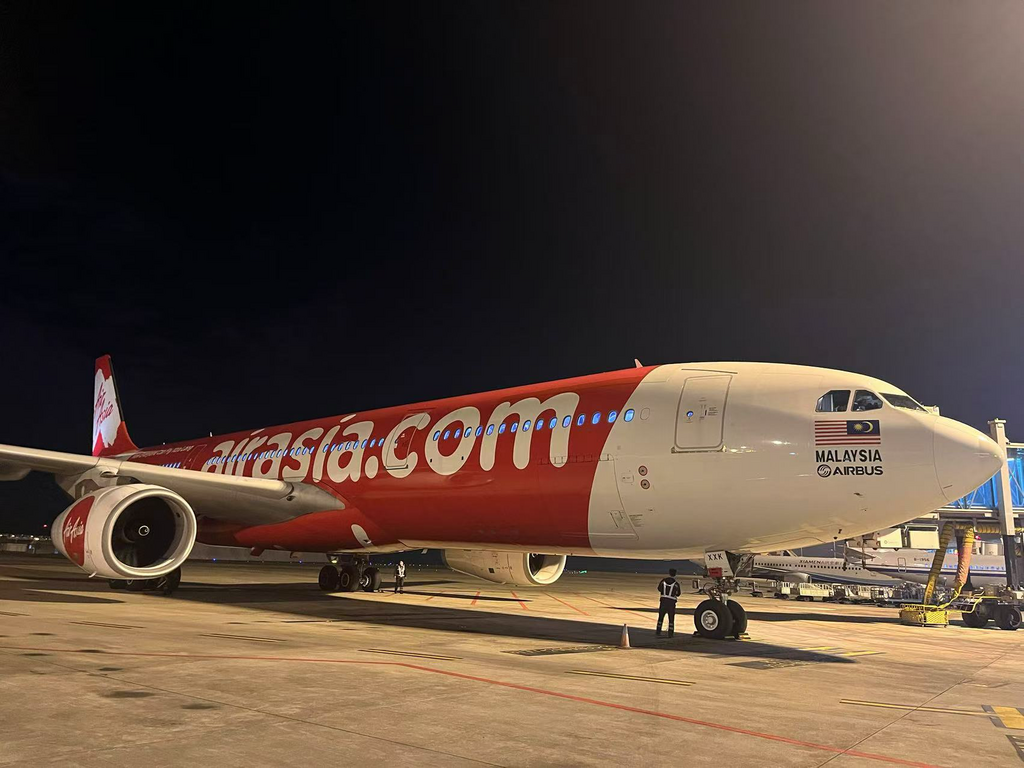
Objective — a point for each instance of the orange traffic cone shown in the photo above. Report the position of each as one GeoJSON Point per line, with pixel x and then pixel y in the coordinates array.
{"type": "Point", "coordinates": [624, 642]}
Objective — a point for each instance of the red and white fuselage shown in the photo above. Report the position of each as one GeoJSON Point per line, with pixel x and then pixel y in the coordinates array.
{"type": "Point", "coordinates": [666, 461]}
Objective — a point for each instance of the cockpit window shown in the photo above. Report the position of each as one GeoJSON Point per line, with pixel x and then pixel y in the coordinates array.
{"type": "Point", "coordinates": [903, 401]}
{"type": "Point", "coordinates": [834, 401]}
{"type": "Point", "coordinates": [866, 401]}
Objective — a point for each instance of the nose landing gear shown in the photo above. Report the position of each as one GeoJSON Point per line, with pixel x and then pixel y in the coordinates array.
{"type": "Point", "coordinates": [719, 617]}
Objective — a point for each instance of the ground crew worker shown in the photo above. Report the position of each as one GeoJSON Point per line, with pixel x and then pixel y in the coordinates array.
{"type": "Point", "coordinates": [669, 590]}
{"type": "Point", "coordinates": [400, 576]}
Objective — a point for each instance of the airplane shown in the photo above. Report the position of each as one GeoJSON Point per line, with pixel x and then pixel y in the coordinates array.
{"type": "Point", "coordinates": [668, 461]}
{"type": "Point", "coordinates": [915, 564]}
{"type": "Point", "coordinates": [832, 570]}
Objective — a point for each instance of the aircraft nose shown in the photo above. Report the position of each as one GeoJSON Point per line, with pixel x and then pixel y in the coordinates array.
{"type": "Point", "coordinates": [964, 458]}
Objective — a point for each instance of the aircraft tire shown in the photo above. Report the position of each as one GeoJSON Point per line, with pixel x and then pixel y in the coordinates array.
{"type": "Point", "coordinates": [739, 618]}
{"type": "Point", "coordinates": [167, 584]}
{"type": "Point", "coordinates": [1008, 617]}
{"type": "Point", "coordinates": [370, 582]}
{"type": "Point", "coordinates": [328, 579]}
{"type": "Point", "coordinates": [713, 620]}
{"type": "Point", "coordinates": [348, 578]}
{"type": "Point", "coordinates": [974, 619]}
{"type": "Point", "coordinates": [117, 584]}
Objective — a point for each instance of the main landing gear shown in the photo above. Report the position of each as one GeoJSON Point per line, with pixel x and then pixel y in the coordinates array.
{"type": "Point", "coordinates": [165, 585]}
{"type": "Point", "coordinates": [349, 576]}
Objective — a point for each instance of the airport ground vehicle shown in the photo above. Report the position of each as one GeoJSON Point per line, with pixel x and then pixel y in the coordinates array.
{"type": "Point", "coordinates": [508, 483]}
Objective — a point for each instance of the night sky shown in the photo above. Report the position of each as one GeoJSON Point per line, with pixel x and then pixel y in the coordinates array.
{"type": "Point", "coordinates": [275, 212]}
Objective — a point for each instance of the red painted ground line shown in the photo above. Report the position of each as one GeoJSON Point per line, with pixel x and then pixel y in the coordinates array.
{"type": "Point", "coordinates": [521, 603]}
{"type": "Point", "coordinates": [475, 599]}
{"type": "Point", "coordinates": [516, 686]}
{"type": "Point", "coordinates": [569, 605]}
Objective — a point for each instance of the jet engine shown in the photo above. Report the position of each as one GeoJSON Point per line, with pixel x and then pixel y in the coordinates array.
{"type": "Point", "coordinates": [520, 569]}
{"type": "Point", "coordinates": [126, 532]}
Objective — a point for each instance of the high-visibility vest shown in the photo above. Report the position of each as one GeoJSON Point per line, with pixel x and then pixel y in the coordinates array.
{"type": "Point", "coordinates": [669, 588]}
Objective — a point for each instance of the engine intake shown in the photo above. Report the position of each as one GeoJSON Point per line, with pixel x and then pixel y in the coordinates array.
{"type": "Point", "coordinates": [127, 532]}
{"type": "Point", "coordinates": [520, 569]}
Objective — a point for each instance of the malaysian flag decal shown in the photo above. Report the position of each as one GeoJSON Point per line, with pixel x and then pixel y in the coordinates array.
{"type": "Point", "coordinates": [842, 432]}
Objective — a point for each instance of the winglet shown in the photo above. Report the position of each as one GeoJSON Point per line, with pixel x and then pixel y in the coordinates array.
{"type": "Point", "coordinates": [109, 432]}
{"type": "Point", "coordinates": [637, 363]}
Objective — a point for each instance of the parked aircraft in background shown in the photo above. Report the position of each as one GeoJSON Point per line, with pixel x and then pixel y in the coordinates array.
{"type": "Point", "coordinates": [832, 570]}
{"type": "Point", "coordinates": [915, 564]}
{"type": "Point", "coordinates": [669, 461]}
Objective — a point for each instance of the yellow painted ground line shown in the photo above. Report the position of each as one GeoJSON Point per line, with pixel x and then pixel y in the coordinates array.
{"type": "Point", "coordinates": [940, 710]}
{"type": "Point", "coordinates": [862, 653]}
{"type": "Point", "coordinates": [630, 677]}
{"type": "Point", "coordinates": [410, 653]}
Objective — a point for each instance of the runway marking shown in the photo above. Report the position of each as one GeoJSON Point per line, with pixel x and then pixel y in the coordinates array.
{"type": "Point", "coordinates": [475, 599]}
{"type": "Point", "coordinates": [410, 653]}
{"type": "Point", "coordinates": [1018, 744]}
{"type": "Point", "coordinates": [243, 637]}
{"type": "Point", "coordinates": [514, 686]}
{"type": "Point", "coordinates": [101, 624]}
{"type": "Point", "coordinates": [912, 708]}
{"type": "Point", "coordinates": [666, 681]}
{"type": "Point", "coordinates": [1006, 717]}
{"type": "Point", "coordinates": [838, 651]}
{"type": "Point", "coordinates": [521, 603]}
{"type": "Point", "coordinates": [578, 610]}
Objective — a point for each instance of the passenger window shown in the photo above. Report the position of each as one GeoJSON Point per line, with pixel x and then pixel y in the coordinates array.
{"type": "Point", "coordinates": [540, 423]}
{"type": "Point", "coordinates": [628, 415]}
{"type": "Point", "coordinates": [566, 422]}
{"type": "Point", "coordinates": [363, 445]}
{"type": "Point", "coordinates": [581, 420]}
{"type": "Point", "coordinates": [479, 430]}
{"type": "Point", "coordinates": [437, 435]}
{"type": "Point", "coordinates": [597, 418]}
{"type": "Point", "coordinates": [490, 429]}
{"type": "Point", "coordinates": [526, 426]}
{"type": "Point", "coordinates": [447, 434]}
{"type": "Point", "coordinates": [611, 416]}
{"type": "Point", "coordinates": [833, 402]}
{"type": "Point", "coordinates": [866, 401]}
{"type": "Point", "coordinates": [553, 423]}
{"type": "Point", "coordinates": [515, 426]}
{"type": "Point", "coordinates": [458, 432]}
{"type": "Point", "coordinates": [501, 429]}
{"type": "Point", "coordinates": [374, 441]}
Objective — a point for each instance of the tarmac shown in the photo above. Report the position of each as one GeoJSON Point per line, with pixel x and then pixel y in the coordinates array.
{"type": "Point", "coordinates": [252, 665]}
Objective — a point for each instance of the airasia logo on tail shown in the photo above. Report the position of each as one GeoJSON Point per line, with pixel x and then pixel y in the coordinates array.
{"type": "Point", "coordinates": [106, 415]}
{"type": "Point", "coordinates": [73, 530]}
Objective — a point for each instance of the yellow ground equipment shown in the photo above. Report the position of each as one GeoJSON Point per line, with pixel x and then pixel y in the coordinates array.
{"type": "Point", "coordinates": [1002, 605]}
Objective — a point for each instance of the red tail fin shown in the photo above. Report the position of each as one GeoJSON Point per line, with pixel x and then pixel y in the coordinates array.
{"type": "Point", "coordinates": [109, 433]}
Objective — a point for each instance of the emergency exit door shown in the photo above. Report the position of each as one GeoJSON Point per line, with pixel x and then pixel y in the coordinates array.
{"type": "Point", "coordinates": [701, 416]}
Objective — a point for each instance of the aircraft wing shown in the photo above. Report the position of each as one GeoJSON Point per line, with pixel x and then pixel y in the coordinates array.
{"type": "Point", "coordinates": [250, 500]}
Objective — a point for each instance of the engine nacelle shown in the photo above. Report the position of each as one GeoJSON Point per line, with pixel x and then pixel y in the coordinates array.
{"type": "Point", "coordinates": [519, 569]}
{"type": "Point", "coordinates": [126, 532]}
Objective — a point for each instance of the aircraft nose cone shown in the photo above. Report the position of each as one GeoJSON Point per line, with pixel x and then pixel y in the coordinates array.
{"type": "Point", "coordinates": [964, 458]}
